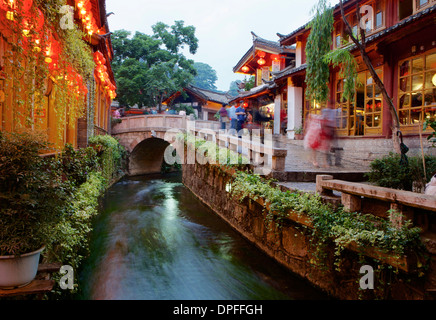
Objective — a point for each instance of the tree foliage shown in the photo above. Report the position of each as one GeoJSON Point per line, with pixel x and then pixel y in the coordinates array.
{"type": "Point", "coordinates": [318, 45]}
{"type": "Point", "coordinates": [343, 59]}
{"type": "Point", "coordinates": [149, 67]}
{"type": "Point", "coordinates": [206, 76]}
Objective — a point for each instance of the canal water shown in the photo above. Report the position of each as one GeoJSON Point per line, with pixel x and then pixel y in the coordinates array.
{"type": "Point", "coordinates": [154, 240]}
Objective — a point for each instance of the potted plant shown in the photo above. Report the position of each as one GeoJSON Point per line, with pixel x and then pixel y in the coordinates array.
{"type": "Point", "coordinates": [32, 200]}
{"type": "Point", "coordinates": [299, 133]}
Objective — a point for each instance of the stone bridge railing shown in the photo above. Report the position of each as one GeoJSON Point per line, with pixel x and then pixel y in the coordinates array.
{"type": "Point", "coordinates": [249, 145]}
{"type": "Point", "coordinates": [160, 121]}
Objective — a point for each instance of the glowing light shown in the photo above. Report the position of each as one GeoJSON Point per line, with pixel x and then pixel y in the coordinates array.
{"type": "Point", "coordinates": [434, 80]}
{"type": "Point", "coordinates": [261, 61]}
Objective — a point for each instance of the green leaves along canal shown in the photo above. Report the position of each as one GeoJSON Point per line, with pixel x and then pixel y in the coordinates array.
{"type": "Point", "coordinates": [154, 240]}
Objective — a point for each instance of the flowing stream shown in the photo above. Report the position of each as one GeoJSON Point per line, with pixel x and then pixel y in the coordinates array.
{"type": "Point", "coordinates": [154, 240]}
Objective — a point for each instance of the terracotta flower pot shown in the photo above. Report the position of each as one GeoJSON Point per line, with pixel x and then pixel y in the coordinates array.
{"type": "Point", "coordinates": [18, 271]}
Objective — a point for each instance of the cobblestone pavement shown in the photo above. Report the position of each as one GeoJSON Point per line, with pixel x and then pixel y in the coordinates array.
{"type": "Point", "coordinates": [298, 159]}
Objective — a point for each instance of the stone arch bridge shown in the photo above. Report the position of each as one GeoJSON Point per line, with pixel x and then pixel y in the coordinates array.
{"type": "Point", "coordinates": [146, 139]}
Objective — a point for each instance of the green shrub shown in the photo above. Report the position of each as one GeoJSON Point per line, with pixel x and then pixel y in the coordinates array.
{"type": "Point", "coordinates": [111, 154]}
{"type": "Point", "coordinates": [388, 172]}
{"type": "Point", "coordinates": [32, 193]}
{"type": "Point", "coordinates": [329, 225]}
{"type": "Point", "coordinates": [77, 164]}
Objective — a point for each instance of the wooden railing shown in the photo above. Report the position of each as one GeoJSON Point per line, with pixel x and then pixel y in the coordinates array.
{"type": "Point", "coordinates": [355, 195]}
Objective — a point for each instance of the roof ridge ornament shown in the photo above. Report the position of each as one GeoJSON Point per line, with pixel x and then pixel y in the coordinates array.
{"type": "Point", "coordinates": [255, 36]}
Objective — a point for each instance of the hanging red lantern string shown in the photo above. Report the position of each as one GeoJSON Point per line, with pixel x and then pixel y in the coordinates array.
{"type": "Point", "coordinates": [52, 49]}
{"type": "Point", "coordinates": [101, 75]}
{"type": "Point", "coordinates": [39, 23]}
{"type": "Point", "coordinates": [84, 8]}
{"type": "Point", "coordinates": [13, 6]}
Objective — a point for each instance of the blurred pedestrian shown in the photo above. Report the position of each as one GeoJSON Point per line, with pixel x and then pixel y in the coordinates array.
{"type": "Point", "coordinates": [231, 112]}
{"type": "Point", "coordinates": [241, 116]}
{"type": "Point", "coordinates": [224, 118]}
{"type": "Point", "coordinates": [314, 139]}
{"type": "Point", "coordinates": [328, 134]}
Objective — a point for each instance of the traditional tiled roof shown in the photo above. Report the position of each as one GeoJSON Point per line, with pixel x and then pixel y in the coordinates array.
{"type": "Point", "coordinates": [261, 44]}
{"type": "Point", "coordinates": [256, 91]}
{"type": "Point", "coordinates": [288, 71]}
{"type": "Point", "coordinates": [209, 95]}
{"type": "Point", "coordinates": [284, 38]}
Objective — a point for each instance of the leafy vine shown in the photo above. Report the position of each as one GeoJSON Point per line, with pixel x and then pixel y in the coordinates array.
{"type": "Point", "coordinates": [31, 72]}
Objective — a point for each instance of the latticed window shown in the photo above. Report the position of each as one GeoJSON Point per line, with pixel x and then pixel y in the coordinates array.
{"type": "Point", "coordinates": [311, 107]}
{"type": "Point", "coordinates": [343, 106]}
{"type": "Point", "coordinates": [363, 115]}
{"type": "Point", "coordinates": [417, 89]}
{"type": "Point", "coordinates": [408, 7]}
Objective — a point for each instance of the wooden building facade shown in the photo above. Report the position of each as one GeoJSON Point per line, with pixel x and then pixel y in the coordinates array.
{"type": "Point", "coordinates": [401, 44]}
{"type": "Point", "coordinates": [56, 75]}
{"type": "Point", "coordinates": [268, 98]}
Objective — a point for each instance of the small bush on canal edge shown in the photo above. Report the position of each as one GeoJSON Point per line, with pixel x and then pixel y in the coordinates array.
{"type": "Point", "coordinates": [388, 172]}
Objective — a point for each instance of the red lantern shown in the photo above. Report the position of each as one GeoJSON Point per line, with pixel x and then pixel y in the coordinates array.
{"type": "Point", "coordinates": [261, 61]}
{"type": "Point", "coordinates": [52, 50]}
{"type": "Point", "coordinates": [99, 58]}
{"type": "Point", "coordinates": [23, 6]}
{"type": "Point", "coordinates": [245, 69]}
{"type": "Point", "coordinates": [39, 20]}
{"type": "Point", "coordinates": [4, 5]}
{"type": "Point", "coordinates": [26, 5]}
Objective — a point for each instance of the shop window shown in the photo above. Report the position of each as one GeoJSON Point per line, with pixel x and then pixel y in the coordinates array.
{"type": "Point", "coordinates": [338, 35]}
{"type": "Point", "coordinates": [374, 20]}
{"type": "Point", "coordinates": [417, 89]}
{"type": "Point", "coordinates": [363, 115]}
{"type": "Point", "coordinates": [342, 106]}
{"type": "Point", "coordinates": [405, 8]}
{"type": "Point", "coordinates": [311, 107]}
{"type": "Point", "coordinates": [408, 7]}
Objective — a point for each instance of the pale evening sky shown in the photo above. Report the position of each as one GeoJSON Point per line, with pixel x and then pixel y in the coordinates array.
{"type": "Point", "coordinates": [222, 27]}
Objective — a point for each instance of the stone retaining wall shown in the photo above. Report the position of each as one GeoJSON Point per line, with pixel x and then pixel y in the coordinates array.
{"type": "Point", "coordinates": [292, 245]}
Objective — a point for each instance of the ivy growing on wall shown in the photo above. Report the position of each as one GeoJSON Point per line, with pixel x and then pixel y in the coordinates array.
{"type": "Point", "coordinates": [29, 74]}
{"type": "Point", "coordinates": [329, 225]}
